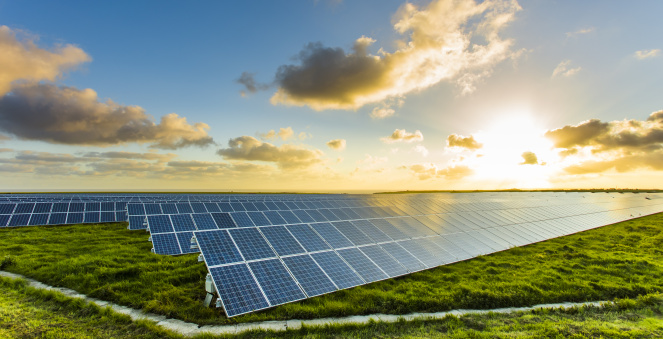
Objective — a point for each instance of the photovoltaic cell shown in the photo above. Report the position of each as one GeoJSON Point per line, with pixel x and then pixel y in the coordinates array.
{"type": "Point", "coordinates": [277, 284]}
{"type": "Point", "coordinates": [383, 260]}
{"type": "Point", "coordinates": [159, 224]}
{"type": "Point", "coordinates": [183, 223]}
{"type": "Point", "coordinates": [251, 243]}
{"type": "Point", "coordinates": [258, 218]}
{"type": "Point", "coordinates": [308, 238]}
{"type": "Point", "coordinates": [242, 219]}
{"type": "Point", "coordinates": [238, 291]}
{"type": "Point", "coordinates": [204, 222]}
{"type": "Point", "coordinates": [351, 232]}
{"type": "Point", "coordinates": [217, 247]}
{"type": "Point", "coordinates": [58, 219]}
{"type": "Point", "coordinates": [184, 239]}
{"type": "Point", "coordinates": [223, 220]}
{"type": "Point", "coordinates": [165, 243]}
{"type": "Point", "coordinates": [330, 234]}
{"type": "Point", "coordinates": [312, 279]}
{"type": "Point", "coordinates": [339, 272]}
{"type": "Point", "coordinates": [410, 262]}
{"type": "Point", "coordinates": [281, 240]}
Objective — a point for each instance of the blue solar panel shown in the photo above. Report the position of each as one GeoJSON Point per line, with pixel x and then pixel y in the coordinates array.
{"type": "Point", "coordinates": [260, 206]}
{"type": "Point", "coordinates": [242, 219]}
{"type": "Point", "coordinates": [108, 206]}
{"type": "Point", "coordinates": [184, 239]}
{"type": "Point", "coordinates": [91, 217]}
{"type": "Point", "coordinates": [7, 208]}
{"type": "Point", "coordinates": [57, 219]}
{"type": "Point", "coordinates": [281, 240]}
{"type": "Point", "coordinates": [258, 218]}
{"type": "Point", "coordinates": [184, 208]}
{"type": "Point", "coordinates": [217, 247]}
{"type": "Point", "coordinates": [237, 206]}
{"type": "Point", "coordinates": [275, 218]}
{"type": "Point", "coordinates": [333, 237]}
{"type": "Point", "coordinates": [225, 207]}
{"type": "Point", "coordinates": [277, 284]}
{"type": "Point", "coordinates": [19, 220]}
{"type": "Point", "coordinates": [249, 206]}
{"type": "Point", "coordinates": [383, 260]}
{"type": "Point", "coordinates": [329, 215]}
{"type": "Point", "coordinates": [169, 208]}
{"type": "Point", "coordinates": [198, 207]}
{"type": "Point", "coordinates": [4, 219]}
{"type": "Point", "coordinates": [204, 222]}
{"type": "Point", "coordinates": [421, 253]}
{"type": "Point", "coordinates": [136, 222]}
{"type": "Point", "coordinates": [153, 209]}
{"type": "Point", "coordinates": [159, 224]}
{"type": "Point", "coordinates": [182, 223]}
{"type": "Point", "coordinates": [308, 238]}
{"type": "Point", "coordinates": [238, 291]}
{"type": "Point", "coordinates": [24, 208]}
{"type": "Point", "coordinates": [351, 232]}
{"type": "Point", "coordinates": [251, 243]}
{"type": "Point", "coordinates": [303, 216]}
{"type": "Point", "coordinates": [362, 265]}
{"type": "Point", "coordinates": [373, 232]}
{"type": "Point", "coordinates": [74, 218]}
{"type": "Point", "coordinates": [166, 243]}
{"type": "Point", "coordinates": [340, 273]}
{"type": "Point", "coordinates": [92, 207]}
{"type": "Point", "coordinates": [317, 216]}
{"type": "Point", "coordinates": [223, 220]}
{"type": "Point", "coordinates": [39, 219]}
{"type": "Point", "coordinates": [136, 209]}
{"type": "Point", "coordinates": [42, 208]}
{"type": "Point", "coordinates": [309, 275]}
{"type": "Point", "coordinates": [388, 229]}
{"type": "Point", "coordinates": [107, 216]}
{"type": "Point", "coordinates": [289, 217]}
{"type": "Point", "coordinates": [212, 207]}
{"type": "Point", "coordinates": [410, 262]}
{"type": "Point", "coordinates": [121, 216]}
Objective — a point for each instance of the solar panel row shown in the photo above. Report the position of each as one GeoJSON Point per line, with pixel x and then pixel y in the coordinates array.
{"type": "Point", "coordinates": [260, 267]}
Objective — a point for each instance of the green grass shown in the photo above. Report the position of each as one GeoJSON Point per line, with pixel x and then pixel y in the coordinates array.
{"type": "Point", "coordinates": [26, 312]}
{"type": "Point", "coordinates": [114, 264]}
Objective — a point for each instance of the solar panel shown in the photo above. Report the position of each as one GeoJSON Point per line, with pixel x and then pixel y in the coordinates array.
{"type": "Point", "coordinates": [309, 275]}
{"type": "Point", "coordinates": [340, 273]}
{"type": "Point", "coordinates": [277, 284]}
{"type": "Point", "coordinates": [238, 290]}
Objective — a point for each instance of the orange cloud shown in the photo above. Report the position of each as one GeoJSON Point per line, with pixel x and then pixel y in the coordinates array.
{"type": "Point", "coordinates": [400, 135]}
{"type": "Point", "coordinates": [455, 140]}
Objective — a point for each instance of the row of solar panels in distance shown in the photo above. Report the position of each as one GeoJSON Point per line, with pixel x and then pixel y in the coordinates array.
{"type": "Point", "coordinates": [256, 268]}
{"type": "Point", "coordinates": [379, 211]}
{"type": "Point", "coordinates": [164, 228]}
{"type": "Point", "coordinates": [278, 217]}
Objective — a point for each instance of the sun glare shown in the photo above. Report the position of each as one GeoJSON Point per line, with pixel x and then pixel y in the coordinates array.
{"type": "Point", "coordinates": [503, 158]}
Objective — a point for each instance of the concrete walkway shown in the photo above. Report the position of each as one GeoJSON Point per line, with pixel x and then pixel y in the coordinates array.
{"type": "Point", "coordinates": [190, 329]}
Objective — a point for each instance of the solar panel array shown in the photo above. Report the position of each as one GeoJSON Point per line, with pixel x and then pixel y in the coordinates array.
{"type": "Point", "coordinates": [265, 250]}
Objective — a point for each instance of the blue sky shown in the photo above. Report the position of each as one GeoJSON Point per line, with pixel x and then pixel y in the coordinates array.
{"type": "Point", "coordinates": [185, 58]}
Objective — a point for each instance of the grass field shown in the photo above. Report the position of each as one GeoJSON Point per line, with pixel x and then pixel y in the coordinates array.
{"type": "Point", "coordinates": [26, 312]}
{"type": "Point", "coordinates": [108, 262]}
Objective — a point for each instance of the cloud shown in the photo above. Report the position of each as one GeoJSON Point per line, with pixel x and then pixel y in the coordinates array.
{"type": "Point", "coordinates": [421, 149]}
{"type": "Point", "coordinates": [285, 156]}
{"type": "Point", "coordinates": [647, 53]}
{"type": "Point", "coordinates": [24, 60]}
{"type": "Point", "coordinates": [455, 140]}
{"type": "Point", "coordinates": [4, 137]}
{"type": "Point", "coordinates": [529, 158]}
{"type": "Point", "coordinates": [336, 144]}
{"type": "Point", "coordinates": [454, 40]}
{"type": "Point", "coordinates": [580, 32]}
{"type": "Point", "coordinates": [382, 112]}
{"type": "Point", "coordinates": [131, 155]}
{"type": "Point", "coordinates": [430, 171]}
{"type": "Point", "coordinates": [625, 145]}
{"type": "Point", "coordinates": [601, 136]}
{"type": "Point", "coordinates": [67, 115]}
{"type": "Point", "coordinates": [250, 84]}
{"type": "Point", "coordinates": [400, 135]}
{"type": "Point", "coordinates": [2, 150]}
{"type": "Point", "coordinates": [563, 70]}
{"type": "Point", "coordinates": [283, 133]}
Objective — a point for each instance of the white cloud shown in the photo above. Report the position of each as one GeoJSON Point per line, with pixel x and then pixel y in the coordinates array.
{"type": "Point", "coordinates": [421, 149]}
{"type": "Point", "coordinates": [564, 70]}
{"type": "Point", "coordinates": [647, 54]}
{"type": "Point", "coordinates": [337, 144]}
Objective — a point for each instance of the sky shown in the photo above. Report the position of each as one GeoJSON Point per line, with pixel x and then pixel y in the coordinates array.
{"type": "Point", "coordinates": [330, 95]}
